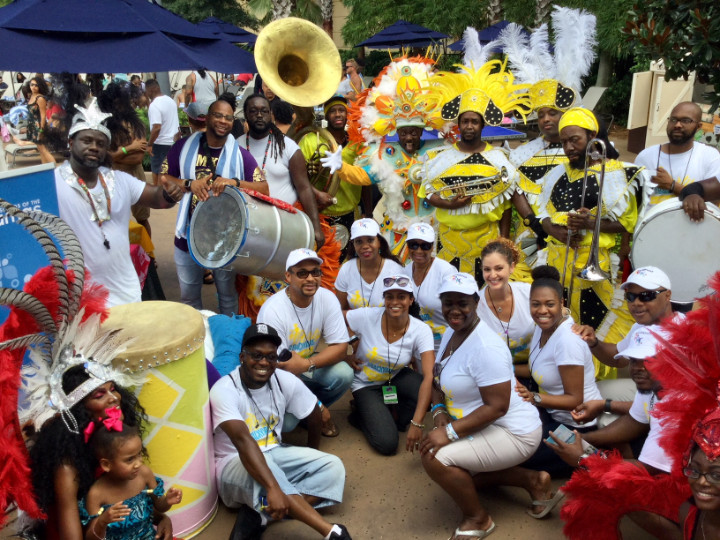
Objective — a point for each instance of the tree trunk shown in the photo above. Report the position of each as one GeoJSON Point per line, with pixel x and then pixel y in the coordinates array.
{"type": "Point", "coordinates": [281, 9]}
{"type": "Point", "coordinates": [326, 10]}
{"type": "Point", "coordinates": [604, 70]}
{"type": "Point", "coordinates": [542, 11]}
{"type": "Point", "coordinates": [494, 11]}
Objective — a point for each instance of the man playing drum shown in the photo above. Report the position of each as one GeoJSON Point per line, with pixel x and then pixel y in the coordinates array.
{"type": "Point", "coordinates": [682, 160]}
{"type": "Point", "coordinates": [255, 470]}
{"type": "Point", "coordinates": [303, 313]}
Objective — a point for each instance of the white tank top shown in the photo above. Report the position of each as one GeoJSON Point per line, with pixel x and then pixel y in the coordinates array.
{"type": "Point", "coordinates": [204, 88]}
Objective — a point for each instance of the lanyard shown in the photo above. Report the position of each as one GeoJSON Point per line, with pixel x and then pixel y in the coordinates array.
{"type": "Point", "coordinates": [85, 189]}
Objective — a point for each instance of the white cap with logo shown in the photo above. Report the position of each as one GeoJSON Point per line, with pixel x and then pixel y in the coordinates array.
{"type": "Point", "coordinates": [364, 227]}
{"type": "Point", "coordinates": [460, 282]}
{"type": "Point", "coordinates": [643, 344]}
{"type": "Point", "coordinates": [648, 277]}
{"type": "Point", "coordinates": [299, 255]}
{"type": "Point", "coordinates": [421, 231]}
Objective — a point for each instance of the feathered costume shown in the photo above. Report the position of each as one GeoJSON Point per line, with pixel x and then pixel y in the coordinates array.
{"type": "Point", "coordinates": [687, 367]}
{"type": "Point", "coordinates": [58, 317]}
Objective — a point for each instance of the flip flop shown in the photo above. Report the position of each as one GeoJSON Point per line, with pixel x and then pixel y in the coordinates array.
{"type": "Point", "coordinates": [549, 504]}
{"type": "Point", "coordinates": [329, 429]}
{"type": "Point", "coordinates": [477, 533]}
{"type": "Point", "coordinates": [208, 278]}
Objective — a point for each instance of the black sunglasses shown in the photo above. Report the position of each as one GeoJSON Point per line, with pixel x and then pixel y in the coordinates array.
{"type": "Point", "coordinates": [302, 274]}
{"type": "Point", "coordinates": [425, 246]}
{"type": "Point", "coordinates": [645, 296]}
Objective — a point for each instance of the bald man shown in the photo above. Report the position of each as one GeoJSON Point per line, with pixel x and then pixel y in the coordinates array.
{"type": "Point", "coordinates": [680, 161]}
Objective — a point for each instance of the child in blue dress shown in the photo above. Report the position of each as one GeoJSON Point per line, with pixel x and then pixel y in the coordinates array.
{"type": "Point", "coordinates": [122, 501]}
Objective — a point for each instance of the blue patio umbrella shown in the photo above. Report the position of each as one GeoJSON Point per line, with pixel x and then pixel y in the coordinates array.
{"type": "Point", "coordinates": [403, 33]}
{"type": "Point", "coordinates": [227, 31]}
{"type": "Point", "coordinates": [486, 35]}
{"type": "Point", "coordinates": [109, 36]}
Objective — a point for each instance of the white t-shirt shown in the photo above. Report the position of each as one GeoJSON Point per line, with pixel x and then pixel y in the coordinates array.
{"type": "Point", "coordinates": [564, 348]}
{"type": "Point", "coordinates": [698, 163]}
{"type": "Point", "coordinates": [518, 332]}
{"type": "Point", "coordinates": [482, 360]}
{"type": "Point", "coordinates": [230, 401]}
{"type": "Point", "coordinates": [652, 453]}
{"type": "Point", "coordinates": [381, 360]}
{"type": "Point", "coordinates": [163, 111]}
{"type": "Point", "coordinates": [204, 89]}
{"type": "Point", "coordinates": [323, 317]}
{"type": "Point", "coordinates": [360, 293]}
{"type": "Point", "coordinates": [427, 297]}
{"type": "Point", "coordinates": [625, 342]}
{"type": "Point", "coordinates": [277, 168]}
{"type": "Point", "coordinates": [112, 267]}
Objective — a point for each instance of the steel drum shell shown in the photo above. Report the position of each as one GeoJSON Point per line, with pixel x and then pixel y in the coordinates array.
{"type": "Point", "coordinates": [686, 251]}
{"type": "Point", "coordinates": [246, 234]}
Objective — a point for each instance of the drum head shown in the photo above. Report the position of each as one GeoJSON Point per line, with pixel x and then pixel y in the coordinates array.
{"type": "Point", "coordinates": [687, 252]}
{"type": "Point", "coordinates": [218, 228]}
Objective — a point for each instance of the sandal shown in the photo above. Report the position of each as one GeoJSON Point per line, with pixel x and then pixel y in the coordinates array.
{"type": "Point", "coordinates": [329, 429]}
{"type": "Point", "coordinates": [549, 504]}
{"type": "Point", "coordinates": [476, 533]}
{"type": "Point", "coordinates": [208, 278]}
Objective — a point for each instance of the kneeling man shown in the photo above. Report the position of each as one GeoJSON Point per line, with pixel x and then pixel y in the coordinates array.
{"type": "Point", "coordinates": [254, 469]}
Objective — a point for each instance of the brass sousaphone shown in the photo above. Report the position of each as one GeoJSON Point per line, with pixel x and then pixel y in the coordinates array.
{"type": "Point", "coordinates": [301, 64]}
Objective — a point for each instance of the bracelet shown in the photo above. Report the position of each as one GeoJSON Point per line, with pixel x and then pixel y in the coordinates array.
{"type": "Point", "coordinates": [96, 535]}
{"type": "Point", "coordinates": [437, 406]}
{"type": "Point", "coordinates": [451, 433]}
{"type": "Point", "coordinates": [414, 423]}
{"type": "Point", "coordinates": [168, 198]}
{"type": "Point", "coordinates": [237, 181]}
{"type": "Point", "coordinates": [440, 411]}
{"type": "Point", "coordinates": [608, 406]}
{"type": "Point", "coordinates": [585, 454]}
{"type": "Point", "coordinates": [672, 186]}
{"type": "Point", "coordinates": [694, 188]}
{"type": "Point", "coordinates": [123, 150]}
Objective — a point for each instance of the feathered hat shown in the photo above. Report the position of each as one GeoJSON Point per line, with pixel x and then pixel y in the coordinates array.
{"type": "Point", "coordinates": [555, 79]}
{"type": "Point", "coordinates": [90, 117]}
{"type": "Point", "coordinates": [399, 97]}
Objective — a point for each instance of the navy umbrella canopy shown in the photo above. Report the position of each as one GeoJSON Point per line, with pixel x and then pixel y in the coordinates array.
{"type": "Point", "coordinates": [109, 36]}
{"type": "Point", "coordinates": [227, 31]}
{"type": "Point", "coordinates": [403, 33]}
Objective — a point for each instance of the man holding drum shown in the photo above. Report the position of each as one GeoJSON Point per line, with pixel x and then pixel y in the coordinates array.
{"type": "Point", "coordinates": [255, 470]}
{"type": "Point", "coordinates": [682, 160]}
{"type": "Point", "coordinates": [303, 313]}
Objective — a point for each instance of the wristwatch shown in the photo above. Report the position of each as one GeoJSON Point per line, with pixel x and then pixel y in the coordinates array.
{"type": "Point", "coordinates": [527, 220]}
{"type": "Point", "coordinates": [237, 181]}
{"type": "Point", "coordinates": [186, 183]}
{"type": "Point", "coordinates": [311, 369]}
{"type": "Point", "coordinates": [537, 398]}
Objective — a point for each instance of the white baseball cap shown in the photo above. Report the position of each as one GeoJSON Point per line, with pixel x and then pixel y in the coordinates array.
{"type": "Point", "coordinates": [421, 231]}
{"type": "Point", "coordinates": [299, 255]}
{"type": "Point", "coordinates": [648, 277]}
{"type": "Point", "coordinates": [397, 283]}
{"type": "Point", "coordinates": [364, 227]}
{"type": "Point", "coordinates": [643, 344]}
{"type": "Point", "coordinates": [460, 282]}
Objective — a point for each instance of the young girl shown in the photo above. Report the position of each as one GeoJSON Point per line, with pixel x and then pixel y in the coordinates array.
{"type": "Point", "coordinates": [121, 503]}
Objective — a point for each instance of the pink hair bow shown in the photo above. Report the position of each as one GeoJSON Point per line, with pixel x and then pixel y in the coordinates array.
{"type": "Point", "coordinates": [112, 422]}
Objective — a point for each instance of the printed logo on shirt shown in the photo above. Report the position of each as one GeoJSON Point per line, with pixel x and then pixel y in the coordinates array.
{"type": "Point", "coordinates": [454, 411]}
{"type": "Point", "coordinates": [300, 343]}
{"type": "Point", "coordinates": [357, 300]}
{"type": "Point", "coordinates": [376, 368]}
{"type": "Point", "coordinates": [437, 329]}
{"type": "Point", "coordinates": [259, 430]}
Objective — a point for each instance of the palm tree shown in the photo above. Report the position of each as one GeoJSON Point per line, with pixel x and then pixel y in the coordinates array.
{"type": "Point", "coordinates": [326, 11]}
{"type": "Point", "coordinates": [279, 9]}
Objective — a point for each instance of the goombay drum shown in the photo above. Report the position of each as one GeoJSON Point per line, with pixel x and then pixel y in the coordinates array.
{"type": "Point", "coordinates": [168, 345]}
{"type": "Point", "coordinates": [686, 251]}
{"type": "Point", "coordinates": [251, 235]}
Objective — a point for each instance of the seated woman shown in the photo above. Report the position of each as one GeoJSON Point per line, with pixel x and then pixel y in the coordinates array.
{"type": "Point", "coordinates": [483, 428]}
{"type": "Point", "coordinates": [505, 305]}
{"type": "Point", "coordinates": [389, 339]}
{"type": "Point", "coordinates": [359, 282]}
{"type": "Point", "coordinates": [561, 364]}
{"type": "Point", "coordinates": [427, 273]}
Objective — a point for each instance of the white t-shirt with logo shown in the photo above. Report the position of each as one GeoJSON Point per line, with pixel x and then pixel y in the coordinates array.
{"type": "Point", "coordinates": [301, 328]}
{"type": "Point", "coordinates": [483, 359]}
{"type": "Point", "coordinates": [381, 360]}
{"type": "Point", "coordinates": [263, 414]}
{"type": "Point", "coordinates": [518, 332]}
{"type": "Point", "coordinates": [652, 453]}
{"type": "Point", "coordinates": [163, 111]}
{"type": "Point", "coordinates": [698, 163]}
{"type": "Point", "coordinates": [427, 297]}
{"type": "Point", "coordinates": [277, 167]}
{"type": "Point", "coordinates": [360, 293]}
{"type": "Point", "coordinates": [564, 348]}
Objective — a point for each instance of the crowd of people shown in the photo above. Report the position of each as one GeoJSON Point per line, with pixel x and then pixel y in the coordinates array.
{"type": "Point", "coordinates": [451, 310]}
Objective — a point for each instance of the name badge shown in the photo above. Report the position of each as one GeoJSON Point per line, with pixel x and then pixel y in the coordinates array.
{"type": "Point", "coordinates": [389, 394]}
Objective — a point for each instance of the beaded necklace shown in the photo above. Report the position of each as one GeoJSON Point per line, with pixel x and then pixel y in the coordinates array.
{"type": "Point", "coordinates": [85, 189]}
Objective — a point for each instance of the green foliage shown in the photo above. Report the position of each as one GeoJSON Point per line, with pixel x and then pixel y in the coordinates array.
{"type": "Point", "coordinates": [196, 10]}
{"type": "Point", "coordinates": [685, 34]}
{"type": "Point", "coordinates": [4, 2]}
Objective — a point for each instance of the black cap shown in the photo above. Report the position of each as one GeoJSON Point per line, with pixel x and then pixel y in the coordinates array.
{"type": "Point", "coordinates": [261, 331]}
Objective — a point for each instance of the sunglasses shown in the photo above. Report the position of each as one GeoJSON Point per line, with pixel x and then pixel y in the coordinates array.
{"type": "Point", "coordinates": [712, 477]}
{"type": "Point", "coordinates": [402, 281]}
{"type": "Point", "coordinates": [257, 356]}
{"type": "Point", "coordinates": [644, 297]}
{"type": "Point", "coordinates": [218, 115]}
{"type": "Point", "coordinates": [425, 246]}
{"type": "Point", "coordinates": [302, 274]}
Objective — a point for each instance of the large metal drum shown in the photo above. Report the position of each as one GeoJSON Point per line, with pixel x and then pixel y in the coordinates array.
{"type": "Point", "coordinates": [252, 236]}
{"type": "Point", "coordinates": [168, 344]}
{"type": "Point", "coordinates": [687, 252]}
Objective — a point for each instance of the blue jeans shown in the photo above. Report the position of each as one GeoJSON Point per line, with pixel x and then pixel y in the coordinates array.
{"type": "Point", "coordinates": [328, 384]}
{"type": "Point", "coordinates": [160, 152]}
{"type": "Point", "coordinates": [190, 275]}
{"type": "Point", "coordinates": [298, 471]}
